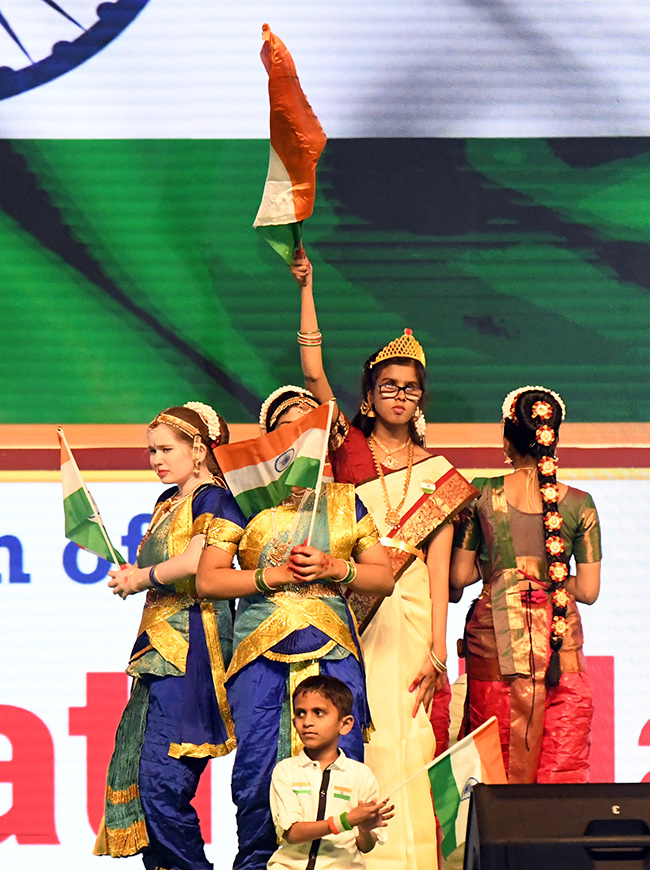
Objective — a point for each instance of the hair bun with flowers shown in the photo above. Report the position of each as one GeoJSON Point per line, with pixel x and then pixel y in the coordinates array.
{"type": "Point", "coordinates": [209, 417]}
{"type": "Point", "coordinates": [295, 396]}
{"type": "Point", "coordinates": [544, 410]}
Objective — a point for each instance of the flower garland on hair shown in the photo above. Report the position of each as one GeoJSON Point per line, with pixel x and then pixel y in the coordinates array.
{"type": "Point", "coordinates": [508, 408]}
{"type": "Point", "coordinates": [288, 388]}
{"type": "Point", "coordinates": [209, 417]}
{"type": "Point", "coordinates": [544, 444]}
{"type": "Point", "coordinates": [420, 427]}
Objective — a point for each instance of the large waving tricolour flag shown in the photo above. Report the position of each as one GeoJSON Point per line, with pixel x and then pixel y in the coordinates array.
{"type": "Point", "coordinates": [261, 471]}
{"type": "Point", "coordinates": [297, 141]}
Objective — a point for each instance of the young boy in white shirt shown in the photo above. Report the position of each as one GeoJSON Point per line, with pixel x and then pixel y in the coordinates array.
{"type": "Point", "coordinates": [324, 805]}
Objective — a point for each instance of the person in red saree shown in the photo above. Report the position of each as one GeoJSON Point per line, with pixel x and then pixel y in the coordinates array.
{"type": "Point", "coordinates": [523, 640]}
{"type": "Point", "coordinates": [412, 495]}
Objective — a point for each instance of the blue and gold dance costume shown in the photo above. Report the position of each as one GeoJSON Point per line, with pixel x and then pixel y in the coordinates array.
{"type": "Point", "coordinates": [279, 639]}
{"type": "Point", "coordinates": [177, 717]}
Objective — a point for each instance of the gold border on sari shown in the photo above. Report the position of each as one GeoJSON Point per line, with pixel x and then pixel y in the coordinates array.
{"type": "Point", "coordinates": [300, 657]}
{"type": "Point", "coordinates": [340, 509]}
{"type": "Point", "coordinates": [165, 639]}
{"type": "Point", "coordinates": [121, 842]}
{"type": "Point", "coordinates": [291, 615]}
{"type": "Point", "coordinates": [218, 669]}
{"type": "Point", "coordinates": [193, 750]}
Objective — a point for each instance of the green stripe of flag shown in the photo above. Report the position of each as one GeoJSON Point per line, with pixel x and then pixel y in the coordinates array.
{"type": "Point", "coordinates": [81, 528]}
{"type": "Point", "coordinates": [447, 802]}
{"type": "Point", "coordinates": [77, 509]}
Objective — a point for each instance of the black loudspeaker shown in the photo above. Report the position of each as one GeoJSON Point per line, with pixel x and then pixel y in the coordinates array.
{"type": "Point", "coordinates": [596, 826]}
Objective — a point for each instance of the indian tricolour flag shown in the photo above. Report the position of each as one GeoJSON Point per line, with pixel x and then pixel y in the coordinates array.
{"type": "Point", "coordinates": [297, 141]}
{"type": "Point", "coordinates": [261, 471]}
{"type": "Point", "coordinates": [83, 524]}
{"type": "Point", "coordinates": [475, 758]}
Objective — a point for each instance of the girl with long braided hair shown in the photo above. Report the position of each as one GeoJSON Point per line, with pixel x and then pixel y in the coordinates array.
{"type": "Point", "coordinates": [523, 642]}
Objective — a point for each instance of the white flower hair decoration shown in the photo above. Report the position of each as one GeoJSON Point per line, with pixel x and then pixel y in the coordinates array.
{"type": "Point", "coordinates": [275, 394]}
{"type": "Point", "coordinates": [209, 417]}
{"type": "Point", "coordinates": [421, 428]}
{"type": "Point", "coordinates": [508, 407]}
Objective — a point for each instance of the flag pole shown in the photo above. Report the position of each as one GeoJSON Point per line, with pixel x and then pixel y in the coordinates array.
{"type": "Point", "coordinates": [100, 522]}
{"type": "Point", "coordinates": [445, 754]}
{"type": "Point", "coordinates": [323, 455]}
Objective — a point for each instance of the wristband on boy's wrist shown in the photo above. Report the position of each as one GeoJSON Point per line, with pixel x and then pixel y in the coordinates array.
{"type": "Point", "coordinates": [344, 821]}
{"type": "Point", "coordinates": [339, 824]}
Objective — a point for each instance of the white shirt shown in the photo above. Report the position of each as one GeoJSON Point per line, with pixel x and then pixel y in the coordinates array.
{"type": "Point", "coordinates": [295, 787]}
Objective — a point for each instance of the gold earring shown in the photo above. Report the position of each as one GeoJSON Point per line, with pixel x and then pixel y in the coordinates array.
{"type": "Point", "coordinates": [195, 454]}
{"type": "Point", "coordinates": [366, 408]}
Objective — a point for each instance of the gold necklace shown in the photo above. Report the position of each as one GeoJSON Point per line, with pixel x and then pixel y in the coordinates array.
{"type": "Point", "coordinates": [389, 462]}
{"type": "Point", "coordinates": [393, 513]}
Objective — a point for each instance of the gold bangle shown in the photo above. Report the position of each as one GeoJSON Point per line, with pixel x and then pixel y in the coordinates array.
{"type": "Point", "coordinates": [441, 667]}
{"type": "Point", "coordinates": [310, 339]}
{"type": "Point", "coordinates": [260, 583]}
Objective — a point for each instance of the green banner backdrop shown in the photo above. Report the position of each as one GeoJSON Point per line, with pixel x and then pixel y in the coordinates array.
{"type": "Point", "coordinates": [131, 279]}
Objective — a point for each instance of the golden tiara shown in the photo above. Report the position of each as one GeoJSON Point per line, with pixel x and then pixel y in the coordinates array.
{"type": "Point", "coordinates": [405, 346]}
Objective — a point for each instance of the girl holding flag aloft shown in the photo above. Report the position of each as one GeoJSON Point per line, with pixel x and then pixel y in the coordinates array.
{"type": "Point", "coordinates": [412, 495]}
{"type": "Point", "coordinates": [177, 717]}
{"type": "Point", "coordinates": [292, 622]}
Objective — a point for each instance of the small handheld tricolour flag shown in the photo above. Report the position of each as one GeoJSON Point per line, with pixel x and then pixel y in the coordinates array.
{"type": "Point", "coordinates": [261, 471]}
{"type": "Point", "coordinates": [475, 758]}
{"type": "Point", "coordinates": [83, 524]}
{"type": "Point", "coordinates": [453, 774]}
{"type": "Point", "coordinates": [297, 141]}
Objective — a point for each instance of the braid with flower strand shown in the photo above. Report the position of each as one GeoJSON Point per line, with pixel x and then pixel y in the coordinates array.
{"type": "Point", "coordinates": [532, 417]}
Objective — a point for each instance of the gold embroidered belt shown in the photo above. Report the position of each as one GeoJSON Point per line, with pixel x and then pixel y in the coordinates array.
{"type": "Point", "coordinates": [304, 590]}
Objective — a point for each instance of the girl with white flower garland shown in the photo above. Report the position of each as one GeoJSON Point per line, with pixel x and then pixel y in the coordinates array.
{"type": "Point", "coordinates": [523, 640]}
{"type": "Point", "coordinates": [177, 717]}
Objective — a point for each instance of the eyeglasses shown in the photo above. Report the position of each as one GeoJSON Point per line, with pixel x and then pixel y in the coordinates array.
{"type": "Point", "coordinates": [392, 391]}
